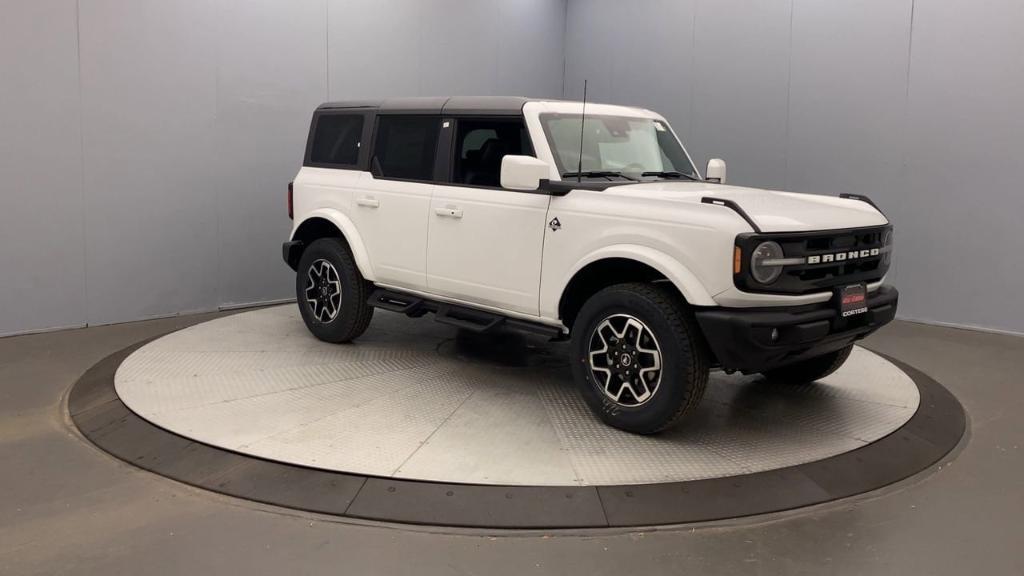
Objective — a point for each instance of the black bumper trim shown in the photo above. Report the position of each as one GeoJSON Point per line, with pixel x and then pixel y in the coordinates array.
{"type": "Point", "coordinates": [291, 252]}
{"type": "Point", "coordinates": [741, 338]}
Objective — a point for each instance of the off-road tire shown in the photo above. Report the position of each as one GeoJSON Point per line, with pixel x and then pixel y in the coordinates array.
{"type": "Point", "coordinates": [811, 369]}
{"type": "Point", "coordinates": [683, 352]}
{"type": "Point", "coordinates": [353, 315]}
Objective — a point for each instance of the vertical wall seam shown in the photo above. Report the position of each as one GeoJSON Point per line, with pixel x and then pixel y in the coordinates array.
{"type": "Point", "coordinates": [690, 121]}
{"type": "Point", "coordinates": [81, 166]}
{"type": "Point", "coordinates": [327, 50]}
{"type": "Point", "coordinates": [565, 42]}
{"type": "Point", "coordinates": [219, 297]}
{"type": "Point", "coordinates": [906, 96]}
{"type": "Point", "coordinates": [905, 138]}
{"type": "Point", "coordinates": [497, 88]}
{"type": "Point", "coordinates": [789, 95]}
{"type": "Point", "coordinates": [910, 54]}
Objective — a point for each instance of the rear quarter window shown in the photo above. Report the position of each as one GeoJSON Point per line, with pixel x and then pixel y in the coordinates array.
{"type": "Point", "coordinates": [337, 139]}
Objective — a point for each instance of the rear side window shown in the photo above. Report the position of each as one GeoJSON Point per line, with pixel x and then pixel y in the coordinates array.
{"type": "Point", "coordinates": [404, 147]}
{"type": "Point", "coordinates": [337, 139]}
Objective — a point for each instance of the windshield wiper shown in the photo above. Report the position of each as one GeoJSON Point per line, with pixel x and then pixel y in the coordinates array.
{"type": "Point", "coordinates": [670, 174]}
{"type": "Point", "coordinates": [597, 174]}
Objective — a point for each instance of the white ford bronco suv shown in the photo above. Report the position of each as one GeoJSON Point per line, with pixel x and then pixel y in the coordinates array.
{"type": "Point", "coordinates": [501, 212]}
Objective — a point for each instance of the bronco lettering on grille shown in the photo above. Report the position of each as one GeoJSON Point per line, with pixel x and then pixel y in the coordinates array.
{"type": "Point", "coordinates": [843, 256]}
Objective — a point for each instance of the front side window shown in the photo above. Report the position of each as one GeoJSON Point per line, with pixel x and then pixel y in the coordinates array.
{"type": "Point", "coordinates": [336, 139]}
{"type": "Point", "coordinates": [480, 144]}
{"type": "Point", "coordinates": [404, 147]}
{"type": "Point", "coordinates": [616, 147]}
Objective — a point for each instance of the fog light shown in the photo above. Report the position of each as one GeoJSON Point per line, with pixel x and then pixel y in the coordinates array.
{"type": "Point", "coordinates": [774, 335]}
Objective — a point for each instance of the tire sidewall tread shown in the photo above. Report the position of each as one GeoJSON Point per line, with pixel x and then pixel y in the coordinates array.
{"type": "Point", "coordinates": [355, 314]}
{"type": "Point", "coordinates": [685, 358]}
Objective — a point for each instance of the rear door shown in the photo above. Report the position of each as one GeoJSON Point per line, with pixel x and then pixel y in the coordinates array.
{"type": "Point", "coordinates": [391, 204]}
{"type": "Point", "coordinates": [485, 243]}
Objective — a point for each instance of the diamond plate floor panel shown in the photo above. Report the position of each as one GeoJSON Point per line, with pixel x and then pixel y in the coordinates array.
{"type": "Point", "coordinates": [418, 400]}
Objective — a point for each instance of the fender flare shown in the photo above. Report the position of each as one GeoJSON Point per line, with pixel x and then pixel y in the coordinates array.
{"type": "Point", "coordinates": [681, 277]}
{"type": "Point", "coordinates": [349, 232]}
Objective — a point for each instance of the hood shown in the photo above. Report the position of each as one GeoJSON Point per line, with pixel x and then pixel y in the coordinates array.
{"type": "Point", "coordinates": [772, 211]}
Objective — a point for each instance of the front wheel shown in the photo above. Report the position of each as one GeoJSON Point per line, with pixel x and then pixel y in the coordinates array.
{"type": "Point", "coordinates": [811, 369]}
{"type": "Point", "coordinates": [639, 358]}
{"type": "Point", "coordinates": [331, 292]}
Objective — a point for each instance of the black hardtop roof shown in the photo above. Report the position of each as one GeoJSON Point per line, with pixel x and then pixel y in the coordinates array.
{"type": "Point", "coordinates": [438, 105]}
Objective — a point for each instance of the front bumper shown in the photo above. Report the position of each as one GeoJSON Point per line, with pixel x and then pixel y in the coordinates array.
{"type": "Point", "coordinates": [741, 339]}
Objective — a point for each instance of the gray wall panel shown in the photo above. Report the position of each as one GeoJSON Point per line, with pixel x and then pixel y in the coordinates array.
{"type": "Point", "coordinates": [961, 260]}
{"type": "Point", "coordinates": [531, 46]}
{"type": "Point", "coordinates": [445, 47]}
{"type": "Point", "coordinates": [42, 274]}
{"type": "Point", "coordinates": [623, 49]}
{"type": "Point", "coordinates": [590, 49]}
{"type": "Point", "coordinates": [740, 88]}
{"type": "Point", "coordinates": [847, 96]}
{"type": "Point", "coordinates": [149, 101]}
{"type": "Point", "coordinates": [459, 47]}
{"type": "Point", "coordinates": [171, 198]}
{"type": "Point", "coordinates": [374, 47]}
{"type": "Point", "coordinates": [272, 63]}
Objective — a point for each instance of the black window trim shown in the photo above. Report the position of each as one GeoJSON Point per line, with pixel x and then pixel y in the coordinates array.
{"type": "Point", "coordinates": [373, 146]}
{"type": "Point", "coordinates": [444, 154]}
{"type": "Point", "coordinates": [362, 160]}
{"type": "Point", "coordinates": [446, 170]}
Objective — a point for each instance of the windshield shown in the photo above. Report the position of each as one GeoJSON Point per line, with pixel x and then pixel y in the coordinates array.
{"type": "Point", "coordinates": [616, 147]}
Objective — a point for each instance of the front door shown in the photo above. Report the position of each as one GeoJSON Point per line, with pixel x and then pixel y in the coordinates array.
{"type": "Point", "coordinates": [485, 243]}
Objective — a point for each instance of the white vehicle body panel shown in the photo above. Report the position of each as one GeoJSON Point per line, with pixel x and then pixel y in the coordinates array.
{"type": "Point", "coordinates": [772, 211]}
{"type": "Point", "coordinates": [391, 216]}
{"type": "Point", "coordinates": [485, 246]}
{"type": "Point", "coordinates": [327, 194]}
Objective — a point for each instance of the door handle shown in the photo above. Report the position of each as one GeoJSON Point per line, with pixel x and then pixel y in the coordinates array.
{"type": "Point", "coordinates": [368, 202]}
{"type": "Point", "coordinates": [449, 212]}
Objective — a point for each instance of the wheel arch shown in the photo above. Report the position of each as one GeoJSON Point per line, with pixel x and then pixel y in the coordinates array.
{"type": "Point", "coordinates": [625, 263]}
{"type": "Point", "coordinates": [330, 223]}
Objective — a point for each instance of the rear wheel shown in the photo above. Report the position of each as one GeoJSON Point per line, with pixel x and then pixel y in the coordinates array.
{"type": "Point", "coordinates": [638, 357]}
{"type": "Point", "coordinates": [331, 292]}
{"type": "Point", "coordinates": [811, 369]}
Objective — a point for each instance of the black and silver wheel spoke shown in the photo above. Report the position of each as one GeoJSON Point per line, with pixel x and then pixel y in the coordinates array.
{"type": "Point", "coordinates": [323, 290]}
{"type": "Point", "coordinates": [625, 360]}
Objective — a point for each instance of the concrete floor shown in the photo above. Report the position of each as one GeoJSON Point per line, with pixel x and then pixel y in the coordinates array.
{"type": "Point", "coordinates": [66, 507]}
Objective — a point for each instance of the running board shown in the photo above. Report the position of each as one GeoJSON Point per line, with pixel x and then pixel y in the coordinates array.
{"type": "Point", "coordinates": [462, 317]}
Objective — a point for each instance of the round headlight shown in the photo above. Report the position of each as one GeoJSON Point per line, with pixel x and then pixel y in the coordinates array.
{"type": "Point", "coordinates": [762, 272]}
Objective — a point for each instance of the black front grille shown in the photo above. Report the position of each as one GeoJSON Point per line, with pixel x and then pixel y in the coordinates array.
{"type": "Point", "coordinates": [843, 257]}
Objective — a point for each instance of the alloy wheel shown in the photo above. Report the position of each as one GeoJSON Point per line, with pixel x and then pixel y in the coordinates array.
{"type": "Point", "coordinates": [323, 290]}
{"type": "Point", "coordinates": [625, 360]}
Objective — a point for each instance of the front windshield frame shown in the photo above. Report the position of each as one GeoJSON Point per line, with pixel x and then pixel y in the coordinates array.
{"type": "Point", "coordinates": [669, 147]}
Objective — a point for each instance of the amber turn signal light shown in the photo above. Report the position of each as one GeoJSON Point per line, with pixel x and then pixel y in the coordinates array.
{"type": "Point", "coordinates": [737, 258]}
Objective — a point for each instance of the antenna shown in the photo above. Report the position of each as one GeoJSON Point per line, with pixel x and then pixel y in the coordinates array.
{"type": "Point", "coordinates": [583, 118]}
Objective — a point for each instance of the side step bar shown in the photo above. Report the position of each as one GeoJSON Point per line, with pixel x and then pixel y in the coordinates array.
{"type": "Point", "coordinates": [462, 317]}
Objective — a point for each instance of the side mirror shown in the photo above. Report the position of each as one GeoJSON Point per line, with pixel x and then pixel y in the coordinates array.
{"type": "Point", "coordinates": [523, 172]}
{"type": "Point", "coordinates": [715, 171]}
